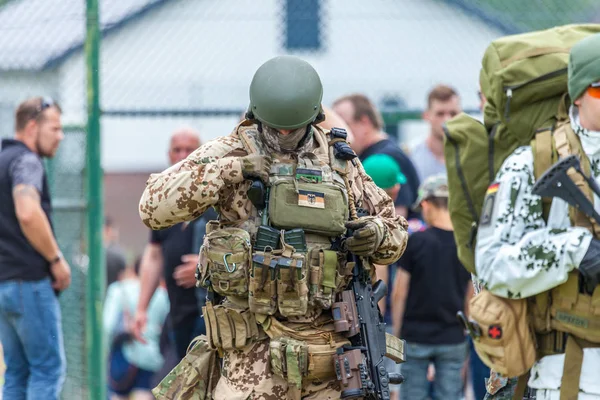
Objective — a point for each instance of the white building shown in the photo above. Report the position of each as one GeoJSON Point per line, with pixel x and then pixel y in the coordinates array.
{"type": "Point", "coordinates": [200, 55]}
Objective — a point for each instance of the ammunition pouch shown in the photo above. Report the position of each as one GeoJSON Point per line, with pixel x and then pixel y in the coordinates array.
{"type": "Point", "coordinates": [195, 376]}
{"type": "Point", "coordinates": [292, 287]}
{"type": "Point", "coordinates": [329, 274]}
{"type": "Point", "coordinates": [224, 261]}
{"type": "Point", "coordinates": [263, 283]}
{"type": "Point", "coordinates": [278, 282]}
{"type": "Point", "coordinates": [230, 327]}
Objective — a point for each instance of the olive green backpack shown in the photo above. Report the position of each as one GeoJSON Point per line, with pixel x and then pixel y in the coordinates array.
{"type": "Point", "coordinates": [524, 79]}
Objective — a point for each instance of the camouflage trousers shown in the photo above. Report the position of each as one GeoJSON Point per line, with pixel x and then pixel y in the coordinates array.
{"type": "Point", "coordinates": [247, 375]}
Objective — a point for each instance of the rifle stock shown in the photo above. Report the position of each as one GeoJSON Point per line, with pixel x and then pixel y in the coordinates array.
{"type": "Point", "coordinates": [555, 182]}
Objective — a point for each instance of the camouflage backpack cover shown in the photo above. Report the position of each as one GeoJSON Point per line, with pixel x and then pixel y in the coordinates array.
{"type": "Point", "coordinates": [524, 79]}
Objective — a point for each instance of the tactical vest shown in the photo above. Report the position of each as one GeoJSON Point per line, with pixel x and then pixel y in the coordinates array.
{"type": "Point", "coordinates": [279, 269]}
{"type": "Point", "coordinates": [564, 319]}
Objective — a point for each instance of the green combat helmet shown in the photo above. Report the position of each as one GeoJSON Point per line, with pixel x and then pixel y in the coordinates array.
{"type": "Point", "coordinates": [286, 93]}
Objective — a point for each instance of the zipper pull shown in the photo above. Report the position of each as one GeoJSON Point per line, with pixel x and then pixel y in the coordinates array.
{"type": "Point", "coordinates": [509, 94]}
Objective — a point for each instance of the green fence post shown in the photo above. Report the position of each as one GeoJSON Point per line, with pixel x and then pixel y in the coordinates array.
{"type": "Point", "coordinates": [95, 278]}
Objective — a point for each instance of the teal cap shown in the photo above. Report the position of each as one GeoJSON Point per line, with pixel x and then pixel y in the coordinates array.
{"type": "Point", "coordinates": [384, 171]}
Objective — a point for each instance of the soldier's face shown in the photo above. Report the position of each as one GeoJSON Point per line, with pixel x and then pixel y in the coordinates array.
{"type": "Point", "coordinates": [285, 132]}
{"type": "Point", "coordinates": [589, 108]}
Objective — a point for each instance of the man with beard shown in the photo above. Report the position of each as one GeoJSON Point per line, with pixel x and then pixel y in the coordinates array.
{"type": "Point", "coordinates": [32, 268]}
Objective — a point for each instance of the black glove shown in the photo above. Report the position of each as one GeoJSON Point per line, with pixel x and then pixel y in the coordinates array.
{"type": "Point", "coordinates": [590, 266]}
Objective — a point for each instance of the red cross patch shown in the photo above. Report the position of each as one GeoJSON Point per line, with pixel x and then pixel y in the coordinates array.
{"type": "Point", "coordinates": [495, 332]}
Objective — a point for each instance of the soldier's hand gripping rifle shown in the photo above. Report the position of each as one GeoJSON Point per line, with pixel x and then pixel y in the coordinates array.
{"type": "Point", "coordinates": [555, 182]}
{"type": "Point", "coordinates": [360, 367]}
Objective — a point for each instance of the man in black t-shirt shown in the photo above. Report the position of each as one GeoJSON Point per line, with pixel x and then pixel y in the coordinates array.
{"type": "Point", "coordinates": [431, 286]}
{"type": "Point", "coordinates": [32, 268]}
{"type": "Point", "coordinates": [366, 124]}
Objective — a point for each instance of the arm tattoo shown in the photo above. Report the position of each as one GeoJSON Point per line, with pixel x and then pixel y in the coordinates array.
{"type": "Point", "coordinates": [26, 191]}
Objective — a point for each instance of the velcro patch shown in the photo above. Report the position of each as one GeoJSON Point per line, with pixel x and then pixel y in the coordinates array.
{"type": "Point", "coordinates": [495, 332]}
{"type": "Point", "coordinates": [310, 198]}
{"type": "Point", "coordinates": [309, 175]}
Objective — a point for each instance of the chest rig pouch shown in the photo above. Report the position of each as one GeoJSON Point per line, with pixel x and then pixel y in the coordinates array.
{"type": "Point", "coordinates": [224, 260]}
{"type": "Point", "coordinates": [308, 195]}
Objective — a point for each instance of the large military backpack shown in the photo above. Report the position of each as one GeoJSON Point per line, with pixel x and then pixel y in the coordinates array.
{"type": "Point", "coordinates": [524, 79]}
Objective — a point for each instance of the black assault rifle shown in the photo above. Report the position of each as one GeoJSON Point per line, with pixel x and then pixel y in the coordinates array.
{"type": "Point", "coordinates": [360, 367]}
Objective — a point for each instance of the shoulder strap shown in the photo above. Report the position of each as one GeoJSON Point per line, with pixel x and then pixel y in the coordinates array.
{"type": "Point", "coordinates": [567, 143]}
{"type": "Point", "coordinates": [247, 134]}
{"type": "Point", "coordinates": [543, 158]}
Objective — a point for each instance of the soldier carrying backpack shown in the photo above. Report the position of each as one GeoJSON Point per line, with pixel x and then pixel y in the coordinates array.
{"type": "Point", "coordinates": [537, 316]}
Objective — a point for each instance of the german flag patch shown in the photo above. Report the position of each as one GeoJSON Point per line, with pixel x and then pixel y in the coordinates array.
{"type": "Point", "coordinates": [488, 204]}
{"type": "Point", "coordinates": [493, 188]}
{"type": "Point", "coordinates": [310, 198]}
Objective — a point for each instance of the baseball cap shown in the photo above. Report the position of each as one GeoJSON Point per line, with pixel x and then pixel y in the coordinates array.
{"type": "Point", "coordinates": [434, 186]}
{"type": "Point", "coordinates": [384, 171]}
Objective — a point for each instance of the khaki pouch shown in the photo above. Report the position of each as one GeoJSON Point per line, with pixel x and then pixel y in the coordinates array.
{"type": "Point", "coordinates": [195, 377]}
{"type": "Point", "coordinates": [224, 262]}
{"type": "Point", "coordinates": [292, 286]}
{"type": "Point", "coordinates": [574, 312]}
{"type": "Point", "coordinates": [263, 283]}
{"type": "Point", "coordinates": [296, 361]}
{"type": "Point", "coordinates": [503, 341]}
{"type": "Point", "coordinates": [327, 277]}
{"type": "Point", "coordinates": [229, 328]}
{"type": "Point", "coordinates": [316, 208]}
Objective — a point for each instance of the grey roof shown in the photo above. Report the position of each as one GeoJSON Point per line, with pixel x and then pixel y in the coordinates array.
{"type": "Point", "coordinates": [37, 34]}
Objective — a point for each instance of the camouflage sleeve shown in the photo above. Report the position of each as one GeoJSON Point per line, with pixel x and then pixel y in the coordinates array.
{"type": "Point", "coordinates": [184, 191]}
{"type": "Point", "coordinates": [381, 207]}
{"type": "Point", "coordinates": [518, 255]}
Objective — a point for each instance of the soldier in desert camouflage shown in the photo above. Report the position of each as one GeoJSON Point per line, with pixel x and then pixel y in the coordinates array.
{"type": "Point", "coordinates": [274, 269]}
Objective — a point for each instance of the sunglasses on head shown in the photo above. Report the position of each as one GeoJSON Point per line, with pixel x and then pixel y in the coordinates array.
{"type": "Point", "coordinates": [594, 90]}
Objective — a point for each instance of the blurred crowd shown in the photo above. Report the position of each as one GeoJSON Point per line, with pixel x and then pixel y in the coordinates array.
{"type": "Point", "coordinates": [152, 308]}
{"type": "Point", "coordinates": [158, 302]}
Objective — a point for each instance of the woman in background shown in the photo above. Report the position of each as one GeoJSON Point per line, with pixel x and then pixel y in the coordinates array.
{"type": "Point", "coordinates": [132, 363]}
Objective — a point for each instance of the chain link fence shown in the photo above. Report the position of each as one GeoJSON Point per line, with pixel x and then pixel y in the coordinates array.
{"type": "Point", "coordinates": [172, 63]}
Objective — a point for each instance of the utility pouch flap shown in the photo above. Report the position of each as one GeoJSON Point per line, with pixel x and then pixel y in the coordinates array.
{"type": "Point", "coordinates": [195, 377]}
{"type": "Point", "coordinates": [329, 268]}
